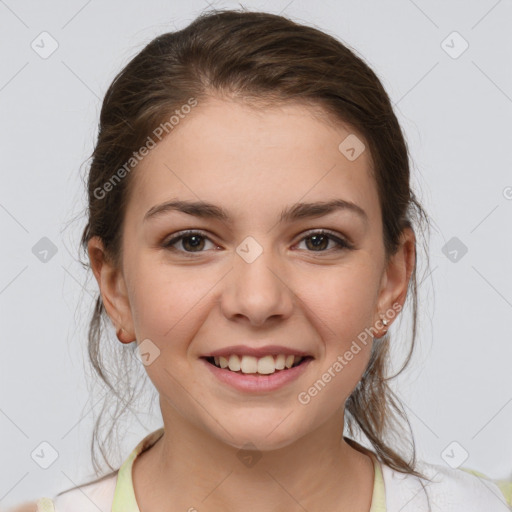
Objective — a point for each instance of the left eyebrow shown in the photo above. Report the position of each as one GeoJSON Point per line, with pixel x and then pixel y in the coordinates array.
{"type": "Point", "coordinates": [291, 213]}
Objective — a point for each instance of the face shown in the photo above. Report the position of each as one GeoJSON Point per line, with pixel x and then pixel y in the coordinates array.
{"type": "Point", "coordinates": [309, 282]}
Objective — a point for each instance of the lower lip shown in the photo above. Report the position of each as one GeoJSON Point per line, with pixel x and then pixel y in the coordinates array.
{"type": "Point", "coordinates": [258, 383]}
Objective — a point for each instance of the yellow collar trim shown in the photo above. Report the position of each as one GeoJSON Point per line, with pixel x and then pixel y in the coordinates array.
{"type": "Point", "coordinates": [124, 495]}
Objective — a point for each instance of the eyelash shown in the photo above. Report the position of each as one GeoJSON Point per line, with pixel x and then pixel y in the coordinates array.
{"type": "Point", "coordinates": [341, 243]}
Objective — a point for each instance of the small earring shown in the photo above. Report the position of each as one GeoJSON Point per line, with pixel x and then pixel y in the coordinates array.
{"type": "Point", "coordinates": [120, 337]}
{"type": "Point", "coordinates": [385, 323]}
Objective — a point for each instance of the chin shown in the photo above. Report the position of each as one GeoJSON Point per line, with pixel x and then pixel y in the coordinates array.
{"type": "Point", "coordinates": [270, 434]}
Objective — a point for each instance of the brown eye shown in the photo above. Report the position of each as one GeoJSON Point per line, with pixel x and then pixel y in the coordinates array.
{"type": "Point", "coordinates": [196, 242]}
{"type": "Point", "coordinates": [318, 241]}
{"type": "Point", "coordinates": [191, 241]}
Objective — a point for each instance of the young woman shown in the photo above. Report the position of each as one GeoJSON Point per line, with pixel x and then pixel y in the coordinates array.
{"type": "Point", "coordinates": [253, 234]}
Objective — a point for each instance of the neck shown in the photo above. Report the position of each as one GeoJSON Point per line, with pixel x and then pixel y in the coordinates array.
{"type": "Point", "coordinates": [188, 469]}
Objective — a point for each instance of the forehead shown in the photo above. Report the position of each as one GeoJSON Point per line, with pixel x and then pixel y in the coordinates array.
{"type": "Point", "coordinates": [229, 152]}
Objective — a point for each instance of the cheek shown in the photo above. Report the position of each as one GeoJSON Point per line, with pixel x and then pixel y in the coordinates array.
{"type": "Point", "coordinates": [343, 301]}
{"type": "Point", "coordinates": [167, 303]}
{"type": "Point", "coordinates": [341, 308]}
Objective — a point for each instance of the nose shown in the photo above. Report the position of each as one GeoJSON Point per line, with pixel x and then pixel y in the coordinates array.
{"type": "Point", "coordinates": [257, 290]}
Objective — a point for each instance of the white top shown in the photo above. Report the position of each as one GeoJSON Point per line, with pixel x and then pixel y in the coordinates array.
{"type": "Point", "coordinates": [452, 490]}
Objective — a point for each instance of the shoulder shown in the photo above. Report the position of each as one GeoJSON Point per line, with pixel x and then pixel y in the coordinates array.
{"type": "Point", "coordinates": [446, 489]}
{"type": "Point", "coordinates": [95, 496]}
{"type": "Point", "coordinates": [29, 506]}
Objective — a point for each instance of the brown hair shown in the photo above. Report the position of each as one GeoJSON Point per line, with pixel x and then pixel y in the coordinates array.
{"type": "Point", "coordinates": [265, 59]}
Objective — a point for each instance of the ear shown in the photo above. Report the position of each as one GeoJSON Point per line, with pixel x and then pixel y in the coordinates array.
{"type": "Point", "coordinates": [113, 290]}
{"type": "Point", "coordinates": [395, 278]}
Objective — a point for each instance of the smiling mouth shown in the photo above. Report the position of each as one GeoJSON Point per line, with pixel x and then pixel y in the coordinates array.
{"type": "Point", "coordinates": [265, 365]}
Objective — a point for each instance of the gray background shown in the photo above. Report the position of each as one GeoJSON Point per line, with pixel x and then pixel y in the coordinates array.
{"type": "Point", "coordinates": [456, 112]}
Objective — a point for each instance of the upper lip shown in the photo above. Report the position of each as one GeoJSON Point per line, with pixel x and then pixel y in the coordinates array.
{"type": "Point", "coordinates": [245, 350]}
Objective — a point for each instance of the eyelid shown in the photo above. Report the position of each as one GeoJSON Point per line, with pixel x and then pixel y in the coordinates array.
{"type": "Point", "coordinates": [333, 235]}
{"type": "Point", "coordinates": [341, 241]}
{"type": "Point", "coordinates": [176, 237]}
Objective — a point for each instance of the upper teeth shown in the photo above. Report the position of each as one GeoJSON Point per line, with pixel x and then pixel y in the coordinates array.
{"type": "Point", "coordinates": [250, 364]}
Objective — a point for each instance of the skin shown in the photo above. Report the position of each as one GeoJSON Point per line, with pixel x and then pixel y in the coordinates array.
{"type": "Point", "coordinates": [252, 164]}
